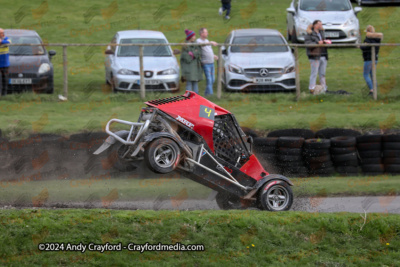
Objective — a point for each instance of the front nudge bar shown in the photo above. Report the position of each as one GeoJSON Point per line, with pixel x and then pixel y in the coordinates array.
{"type": "Point", "coordinates": [143, 128]}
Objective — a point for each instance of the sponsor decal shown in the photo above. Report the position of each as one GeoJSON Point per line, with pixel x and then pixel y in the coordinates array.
{"type": "Point", "coordinates": [184, 121]}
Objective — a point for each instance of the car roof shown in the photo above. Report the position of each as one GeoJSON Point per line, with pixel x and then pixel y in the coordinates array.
{"type": "Point", "coordinates": [20, 32]}
{"type": "Point", "coordinates": [140, 34]}
{"type": "Point", "coordinates": [252, 32]}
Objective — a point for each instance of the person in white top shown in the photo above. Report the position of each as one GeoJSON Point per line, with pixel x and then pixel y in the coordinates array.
{"type": "Point", "coordinates": [207, 60]}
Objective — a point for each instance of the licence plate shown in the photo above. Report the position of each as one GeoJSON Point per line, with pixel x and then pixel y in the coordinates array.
{"type": "Point", "coordinates": [20, 81]}
{"type": "Point", "coordinates": [332, 34]}
{"type": "Point", "coordinates": [262, 80]}
{"type": "Point", "coordinates": [153, 82]}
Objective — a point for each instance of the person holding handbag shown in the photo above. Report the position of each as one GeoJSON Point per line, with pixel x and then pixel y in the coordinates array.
{"type": "Point", "coordinates": [191, 68]}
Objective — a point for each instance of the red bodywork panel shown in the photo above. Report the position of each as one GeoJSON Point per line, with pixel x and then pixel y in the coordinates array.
{"type": "Point", "coordinates": [187, 110]}
{"type": "Point", "coordinates": [198, 113]}
{"type": "Point", "coordinates": [253, 168]}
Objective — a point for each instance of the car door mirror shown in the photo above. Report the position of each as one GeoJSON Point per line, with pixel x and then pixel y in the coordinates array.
{"type": "Point", "coordinates": [250, 141]}
{"type": "Point", "coordinates": [357, 9]}
{"type": "Point", "coordinates": [291, 10]}
{"type": "Point", "coordinates": [177, 52]}
{"type": "Point", "coordinates": [52, 53]}
{"type": "Point", "coordinates": [109, 52]}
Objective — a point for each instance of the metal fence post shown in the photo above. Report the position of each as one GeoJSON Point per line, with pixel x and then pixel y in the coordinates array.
{"type": "Point", "coordinates": [142, 85]}
{"type": "Point", "coordinates": [297, 68]}
{"type": "Point", "coordinates": [219, 77]}
{"type": "Point", "coordinates": [375, 93]}
{"type": "Point", "coordinates": [65, 68]}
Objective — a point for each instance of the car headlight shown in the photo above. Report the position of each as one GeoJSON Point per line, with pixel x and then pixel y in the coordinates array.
{"type": "Point", "coordinates": [305, 22]}
{"type": "Point", "coordinates": [126, 72]}
{"type": "Point", "coordinates": [235, 69]}
{"type": "Point", "coordinates": [350, 22]}
{"type": "Point", "coordinates": [166, 72]}
{"type": "Point", "coordinates": [289, 69]}
{"type": "Point", "coordinates": [45, 67]}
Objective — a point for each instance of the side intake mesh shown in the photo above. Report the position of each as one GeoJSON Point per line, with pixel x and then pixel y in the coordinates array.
{"type": "Point", "coordinates": [227, 143]}
{"type": "Point", "coordinates": [168, 100]}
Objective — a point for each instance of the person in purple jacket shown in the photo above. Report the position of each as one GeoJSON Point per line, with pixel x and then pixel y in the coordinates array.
{"type": "Point", "coordinates": [4, 62]}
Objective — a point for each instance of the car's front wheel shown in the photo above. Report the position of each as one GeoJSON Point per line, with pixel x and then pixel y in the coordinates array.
{"type": "Point", "coordinates": [276, 195]}
{"type": "Point", "coordinates": [118, 160]}
{"type": "Point", "coordinates": [162, 155]}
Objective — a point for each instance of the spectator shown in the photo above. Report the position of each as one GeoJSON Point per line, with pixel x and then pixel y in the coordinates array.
{"type": "Point", "coordinates": [191, 63]}
{"type": "Point", "coordinates": [318, 56]}
{"type": "Point", "coordinates": [207, 60]}
{"type": "Point", "coordinates": [4, 62]}
{"type": "Point", "coordinates": [371, 38]}
{"type": "Point", "coordinates": [226, 5]}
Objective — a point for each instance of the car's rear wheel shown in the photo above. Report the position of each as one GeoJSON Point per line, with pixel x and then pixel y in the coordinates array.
{"type": "Point", "coordinates": [226, 201]}
{"type": "Point", "coordinates": [276, 196]}
{"type": "Point", "coordinates": [162, 155]}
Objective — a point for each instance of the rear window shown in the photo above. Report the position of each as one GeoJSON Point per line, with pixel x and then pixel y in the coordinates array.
{"type": "Point", "coordinates": [258, 40]}
{"type": "Point", "coordinates": [25, 50]}
{"type": "Point", "coordinates": [148, 51]}
{"type": "Point", "coordinates": [325, 5]}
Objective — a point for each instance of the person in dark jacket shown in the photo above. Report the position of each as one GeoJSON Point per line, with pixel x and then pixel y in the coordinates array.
{"type": "Point", "coordinates": [226, 5]}
{"type": "Point", "coordinates": [191, 68]}
{"type": "Point", "coordinates": [4, 62]}
{"type": "Point", "coordinates": [371, 38]}
{"type": "Point", "coordinates": [318, 56]}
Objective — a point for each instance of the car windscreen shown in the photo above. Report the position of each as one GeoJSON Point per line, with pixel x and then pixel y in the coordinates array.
{"type": "Point", "coordinates": [26, 50]}
{"type": "Point", "coordinates": [325, 5]}
{"type": "Point", "coordinates": [258, 40]}
{"type": "Point", "coordinates": [148, 51]}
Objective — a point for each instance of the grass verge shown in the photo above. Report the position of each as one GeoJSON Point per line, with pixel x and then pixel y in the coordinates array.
{"type": "Point", "coordinates": [234, 237]}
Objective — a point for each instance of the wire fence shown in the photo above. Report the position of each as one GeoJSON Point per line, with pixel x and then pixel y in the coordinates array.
{"type": "Point", "coordinates": [221, 47]}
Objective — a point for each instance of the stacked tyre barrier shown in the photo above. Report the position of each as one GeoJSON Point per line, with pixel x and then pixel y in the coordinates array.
{"type": "Point", "coordinates": [391, 154]}
{"type": "Point", "coordinates": [290, 156]}
{"type": "Point", "coordinates": [266, 148]}
{"type": "Point", "coordinates": [344, 155]}
{"type": "Point", "coordinates": [317, 157]}
{"type": "Point", "coordinates": [369, 148]}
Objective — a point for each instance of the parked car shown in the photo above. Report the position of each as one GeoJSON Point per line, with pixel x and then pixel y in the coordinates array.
{"type": "Point", "coordinates": [30, 66]}
{"type": "Point", "coordinates": [370, 2]}
{"type": "Point", "coordinates": [161, 69]}
{"type": "Point", "coordinates": [189, 134]}
{"type": "Point", "coordinates": [338, 17]}
{"type": "Point", "coordinates": [257, 68]}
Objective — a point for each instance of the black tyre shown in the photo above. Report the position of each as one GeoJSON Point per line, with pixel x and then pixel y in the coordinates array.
{"type": "Point", "coordinates": [116, 158]}
{"type": "Point", "coordinates": [373, 168]}
{"type": "Point", "coordinates": [265, 149]}
{"type": "Point", "coordinates": [369, 146]}
{"type": "Point", "coordinates": [292, 142]}
{"type": "Point", "coordinates": [344, 157]}
{"type": "Point", "coordinates": [290, 151]}
{"type": "Point", "coordinates": [370, 154]}
{"type": "Point", "coordinates": [343, 141]}
{"type": "Point", "coordinates": [324, 171]}
{"type": "Point", "coordinates": [304, 133]}
{"type": "Point", "coordinates": [367, 161]}
{"type": "Point", "coordinates": [320, 165]}
{"type": "Point", "coordinates": [271, 141]}
{"type": "Point", "coordinates": [391, 160]}
{"type": "Point", "coordinates": [267, 156]}
{"type": "Point", "coordinates": [343, 150]}
{"type": "Point", "coordinates": [311, 153]}
{"type": "Point", "coordinates": [289, 158]}
{"type": "Point", "coordinates": [335, 132]}
{"type": "Point", "coordinates": [292, 164]}
{"type": "Point", "coordinates": [393, 168]}
{"type": "Point", "coordinates": [317, 143]}
{"type": "Point", "coordinates": [391, 153]}
{"type": "Point", "coordinates": [347, 170]}
{"type": "Point", "coordinates": [227, 201]}
{"type": "Point", "coordinates": [318, 159]}
{"type": "Point", "coordinates": [162, 155]}
{"type": "Point", "coordinates": [276, 196]}
{"type": "Point", "coordinates": [369, 138]}
{"type": "Point", "coordinates": [293, 36]}
{"type": "Point", "coordinates": [391, 145]}
{"type": "Point", "coordinates": [249, 132]}
{"type": "Point", "coordinates": [391, 138]}
{"type": "Point", "coordinates": [347, 163]}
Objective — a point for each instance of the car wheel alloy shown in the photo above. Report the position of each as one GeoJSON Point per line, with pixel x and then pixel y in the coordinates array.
{"type": "Point", "coordinates": [162, 155]}
{"type": "Point", "coordinates": [276, 196]}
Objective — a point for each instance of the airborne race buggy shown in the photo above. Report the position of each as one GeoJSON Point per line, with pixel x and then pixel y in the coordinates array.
{"type": "Point", "coordinates": [190, 134]}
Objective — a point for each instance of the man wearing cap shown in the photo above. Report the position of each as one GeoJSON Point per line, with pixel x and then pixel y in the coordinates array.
{"type": "Point", "coordinates": [191, 63]}
{"type": "Point", "coordinates": [4, 62]}
{"type": "Point", "coordinates": [371, 38]}
{"type": "Point", "coordinates": [207, 60]}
